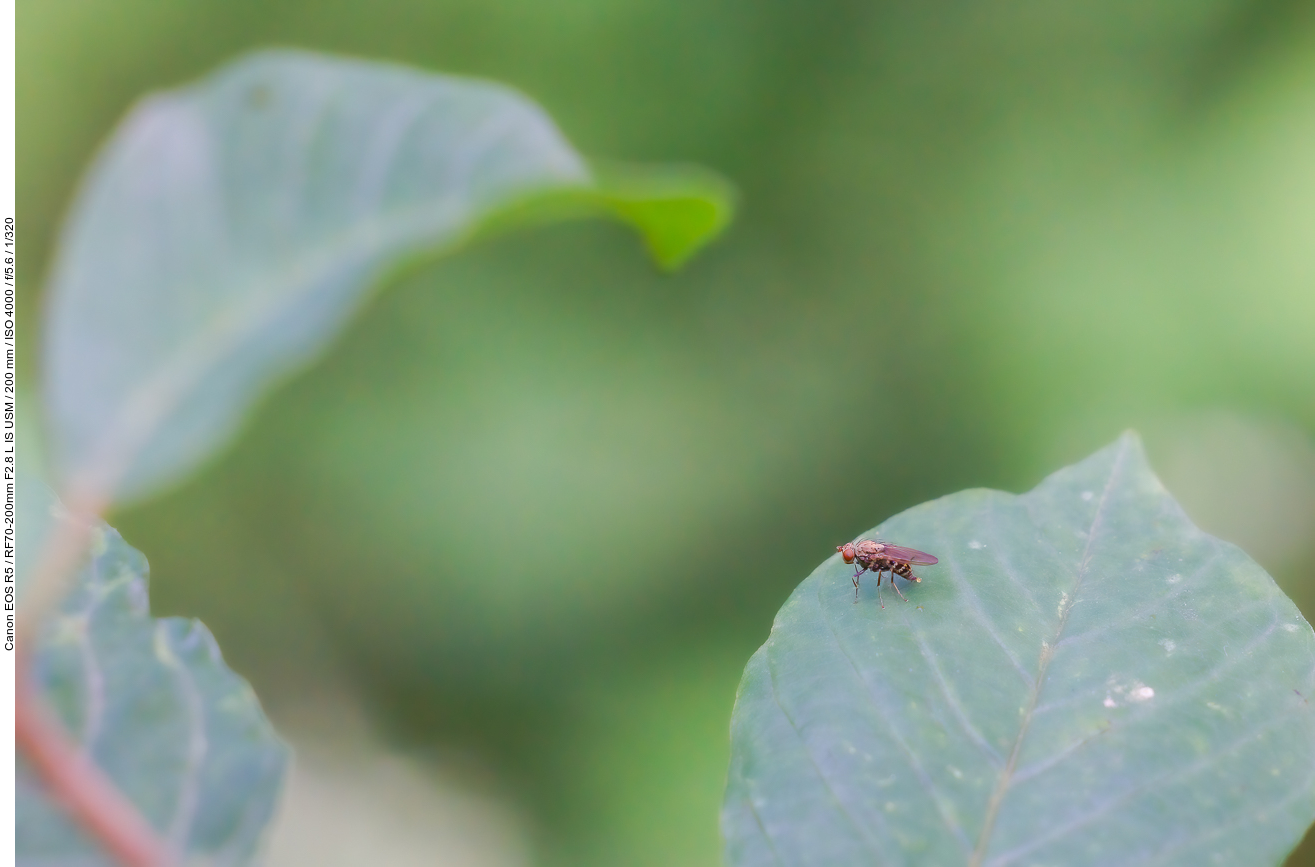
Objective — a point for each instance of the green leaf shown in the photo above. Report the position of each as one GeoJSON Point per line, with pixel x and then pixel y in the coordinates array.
{"type": "Point", "coordinates": [151, 700]}
{"type": "Point", "coordinates": [675, 209]}
{"type": "Point", "coordinates": [1085, 678]}
{"type": "Point", "coordinates": [230, 228]}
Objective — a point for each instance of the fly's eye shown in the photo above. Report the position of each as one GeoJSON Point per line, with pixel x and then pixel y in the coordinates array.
{"type": "Point", "coordinates": [846, 552]}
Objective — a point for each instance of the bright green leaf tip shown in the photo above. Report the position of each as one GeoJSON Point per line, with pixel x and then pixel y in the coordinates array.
{"type": "Point", "coordinates": [677, 210]}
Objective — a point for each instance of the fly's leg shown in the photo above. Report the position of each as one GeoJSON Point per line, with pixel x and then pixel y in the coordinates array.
{"type": "Point", "coordinates": [892, 584]}
{"type": "Point", "coordinates": [883, 604]}
{"type": "Point", "coordinates": [857, 572]}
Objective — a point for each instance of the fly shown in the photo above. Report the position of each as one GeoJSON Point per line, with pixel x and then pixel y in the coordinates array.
{"type": "Point", "coordinates": [874, 556]}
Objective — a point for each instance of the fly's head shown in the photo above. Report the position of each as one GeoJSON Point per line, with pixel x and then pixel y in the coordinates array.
{"type": "Point", "coordinates": [864, 552]}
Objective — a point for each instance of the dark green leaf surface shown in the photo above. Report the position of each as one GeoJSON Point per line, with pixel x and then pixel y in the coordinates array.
{"type": "Point", "coordinates": [152, 701]}
{"type": "Point", "coordinates": [230, 228]}
{"type": "Point", "coordinates": [1084, 679]}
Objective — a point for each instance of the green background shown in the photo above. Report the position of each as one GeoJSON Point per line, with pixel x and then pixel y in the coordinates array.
{"type": "Point", "coordinates": [540, 504]}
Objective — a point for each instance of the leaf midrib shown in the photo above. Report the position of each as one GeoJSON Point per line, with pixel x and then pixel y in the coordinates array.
{"type": "Point", "coordinates": [1043, 665]}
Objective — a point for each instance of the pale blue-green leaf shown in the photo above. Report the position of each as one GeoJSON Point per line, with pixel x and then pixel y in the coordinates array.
{"type": "Point", "coordinates": [230, 228]}
{"type": "Point", "coordinates": [154, 705]}
{"type": "Point", "coordinates": [1084, 679]}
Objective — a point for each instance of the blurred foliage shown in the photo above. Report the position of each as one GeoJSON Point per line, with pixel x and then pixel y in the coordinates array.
{"type": "Point", "coordinates": [976, 242]}
{"type": "Point", "coordinates": [139, 695]}
{"type": "Point", "coordinates": [229, 229]}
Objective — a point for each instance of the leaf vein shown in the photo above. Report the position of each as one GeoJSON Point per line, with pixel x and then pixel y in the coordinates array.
{"type": "Point", "coordinates": [1158, 603]}
{"type": "Point", "coordinates": [997, 549]}
{"type": "Point", "coordinates": [1209, 677]}
{"type": "Point", "coordinates": [1043, 664]}
{"type": "Point", "coordinates": [767, 838]}
{"type": "Point", "coordinates": [971, 730]}
{"type": "Point", "coordinates": [1179, 773]}
{"type": "Point", "coordinates": [93, 678]}
{"type": "Point", "coordinates": [1219, 830]}
{"type": "Point", "coordinates": [189, 787]}
{"type": "Point", "coordinates": [821, 775]}
{"type": "Point", "coordinates": [975, 604]}
{"type": "Point", "coordinates": [916, 766]}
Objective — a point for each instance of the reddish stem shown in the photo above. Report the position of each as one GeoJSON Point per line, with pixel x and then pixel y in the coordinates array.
{"type": "Point", "coordinates": [90, 797]}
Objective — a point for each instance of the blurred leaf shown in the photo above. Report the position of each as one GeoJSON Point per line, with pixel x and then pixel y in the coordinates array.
{"type": "Point", "coordinates": [675, 209]}
{"type": "Point", "coordinates": [1086, 678]}
{"type": "Point", "coordinates": [231, 227]}
{"type": "Point", "coordinates": [152, 701]}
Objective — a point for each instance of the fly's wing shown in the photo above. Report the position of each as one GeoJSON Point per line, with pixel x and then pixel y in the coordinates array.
{"type": "Point", "coordinates": [908, 555]}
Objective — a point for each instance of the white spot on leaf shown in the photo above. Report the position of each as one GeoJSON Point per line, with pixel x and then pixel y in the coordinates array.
{"type": "Point", "coordinates": [1174, 579]}
{"type": "Point", "coordinates": [1291, 627]}
{"type": "Point", "coordinates": [1087, 495]}
{"type": "Point", "coordinates": [958, 774]}
{"type": "Point", "coordinates": [1168, 644]}
{"type": "Point", "coordinates": [1137, 691]}
{"type": "Point", "coordinates": [975, 545]}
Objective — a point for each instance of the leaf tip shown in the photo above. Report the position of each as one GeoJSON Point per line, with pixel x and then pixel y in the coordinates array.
{"type": "Point", "coordinates": [677, 210]}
